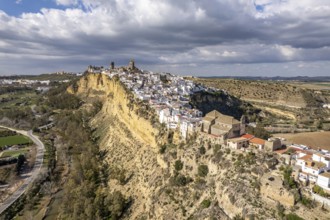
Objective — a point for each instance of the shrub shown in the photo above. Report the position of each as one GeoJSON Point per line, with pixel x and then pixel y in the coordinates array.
{"type": "Point", "coordinates": [293, 216]}
{"type": "Point", "coordinates": [206, 203]}
{"type": "Point", "coordinates": [238, 217]}
{"type": "Point", "coordinates": [319, 190]}
{"type": "Point", "coordinates": [216, 148]}
{"type": "Point", "coordinates": [203, 170]}
{"type": "Point", "coordinates": [178, 165]}
{"type": "Point", "coordinates": [280, 210]}
{"type": "Point", "coordinates": [162, 149]}
{"type": "Point", "coordinates": [180, 180]}
{"type": "Point", "coordinates": [307, 202]}
{"type": "Point", "coordinates": [202, 150]}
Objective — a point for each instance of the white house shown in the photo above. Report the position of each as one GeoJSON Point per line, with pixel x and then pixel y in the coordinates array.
{"type": "Point", "coordinates": [164, 115]}
{"type": "Point", "coordinates": [238, 143]}
{"type": "Point", "coordinates": [324, 180]}
{"type": "Point", "coordinates": [323, 159]}
{"type": "Point", "coordinates": [302, 158]}
{"type": "Point", "coordinates": [312, 165]}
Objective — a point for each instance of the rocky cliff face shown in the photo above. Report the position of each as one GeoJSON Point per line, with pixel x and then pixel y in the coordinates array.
{"type": "Point", "coordinates": [222, 102]}
{"type": "Point", "coordinates": [118, 103]}
{"type": "Point", "coordinates": [193, 180]}
{"type": "Point", "coordinates": [130, 140]}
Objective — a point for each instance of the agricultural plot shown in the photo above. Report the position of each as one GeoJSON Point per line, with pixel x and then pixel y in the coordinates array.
{"type": "Point", "coordinates": [313, 139]}
{"type": "Point", "coordinates": [21, 98]}
{"type": "Point", "coordinates": [14, 140]}
{"type": "Point", "coordinates": [14, 153]}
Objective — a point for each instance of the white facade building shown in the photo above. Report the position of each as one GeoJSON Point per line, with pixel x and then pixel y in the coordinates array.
{"type": "Point", "coordinates": [324, 180]}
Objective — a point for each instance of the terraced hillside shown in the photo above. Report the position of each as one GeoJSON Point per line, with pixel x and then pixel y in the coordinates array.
{"type": "Point", "coordinates": [278, 93]}
{"type": "Point", "coordinates": [286, 106]}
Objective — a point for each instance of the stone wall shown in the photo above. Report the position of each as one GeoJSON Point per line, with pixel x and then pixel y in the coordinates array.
{"type": "Point", "coordinates": [272, 188]}
{"type": "Point", "coordinates": [322, 200]}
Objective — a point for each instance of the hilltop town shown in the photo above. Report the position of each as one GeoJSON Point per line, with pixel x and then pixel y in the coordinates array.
{"type": "Point", "coordinates": [169, 95]}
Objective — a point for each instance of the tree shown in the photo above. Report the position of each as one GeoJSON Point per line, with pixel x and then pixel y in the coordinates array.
{"type": "Point", "coordinates": [20, 163]}
{"type": "Point", "coordinates": [202, 150]}
{"type": "Point", "coordinates": [289, 181]}
{"type": "Point", "coordinates": [258, 132]}
{"type": "Point", "coordinates": [203, 170]}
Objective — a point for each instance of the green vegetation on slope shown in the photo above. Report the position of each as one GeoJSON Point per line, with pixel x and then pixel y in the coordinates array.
{"type": "Point", "coordinates": [78, 174]}
{"type": "Point", "coordinates": [15, 153]}
{"type": "Point", "coordinates": [13, 140]}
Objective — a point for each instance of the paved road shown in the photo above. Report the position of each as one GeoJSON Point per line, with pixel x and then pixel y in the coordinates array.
{"type": "Point", "coordinates": [30, 176]}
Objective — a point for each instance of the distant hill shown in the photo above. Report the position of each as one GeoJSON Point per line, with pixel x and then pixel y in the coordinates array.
{"type": "Point", "coordinates": [266, 91]}
{"type": "Point", "coordinates": [51, 77]}
{"type": "Point", "coordinates": [276, 78]}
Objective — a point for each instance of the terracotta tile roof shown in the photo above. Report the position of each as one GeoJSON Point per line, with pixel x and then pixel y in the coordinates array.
{"type": "Point", "coordinates": [307, 157]}
{"type": "Point", "coordinates": [247, 136]}
{"type": "Point", "coordinates": [281, 151]}
{"type": "Point", "coordinates": [257, 141]}
{"type": "Point", "coordinates": [302, 151]}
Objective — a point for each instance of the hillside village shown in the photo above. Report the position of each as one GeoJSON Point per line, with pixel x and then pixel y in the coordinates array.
{"type": "Point", "coordinates": [169, 95]}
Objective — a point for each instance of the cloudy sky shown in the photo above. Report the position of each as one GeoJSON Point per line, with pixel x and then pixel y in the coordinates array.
{"type": "Point", "coordinates": [196, 37]}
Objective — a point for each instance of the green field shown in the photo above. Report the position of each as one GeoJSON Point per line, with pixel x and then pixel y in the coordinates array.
{"type": "Point", "coordinates": [12, 140]}
{"type": "Point", "coordinates": [14, 153]}
{"type": "Point", "coordinates": [18, 98]}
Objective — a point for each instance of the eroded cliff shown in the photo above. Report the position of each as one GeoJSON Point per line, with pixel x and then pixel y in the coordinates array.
{"type": "Point", "coordinates": [118, 104]}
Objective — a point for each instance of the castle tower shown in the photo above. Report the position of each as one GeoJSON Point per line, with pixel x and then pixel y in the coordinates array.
{"type": "Point", "coordinates": [90, 69]}
{"type": "Point", "coordinates": [243, 125]}
{"type": "Point", "coordinates": [112, 65]}
{"type": "Point", "coordinates": [131, 65]}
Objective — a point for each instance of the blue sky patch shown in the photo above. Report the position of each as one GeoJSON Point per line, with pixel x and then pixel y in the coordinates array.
{"type": "Point", "coordinates": [260, 8]}
{"type": "Point", "coordinates": [16, 8]}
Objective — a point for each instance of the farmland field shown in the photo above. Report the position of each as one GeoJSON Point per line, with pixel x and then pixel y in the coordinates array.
{"type": "Point", "coordinates": [12, 140]}
{"type": "Point", "coordinates": [312, 139]}
{"type": "Point", "coordinates": [313, 85]}
{"type": "Point", "coordinates": [14, 153]}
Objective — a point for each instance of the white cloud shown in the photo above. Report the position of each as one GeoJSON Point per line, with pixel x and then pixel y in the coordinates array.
{"type": "Point", "coordinates": [66, 2]}
{"type": "Point", "coordinates": [286, 51]}
{"type": "Point", "coordinates": [170, 31]}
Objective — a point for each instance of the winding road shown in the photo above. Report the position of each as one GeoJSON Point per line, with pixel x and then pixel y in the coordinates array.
{"type": "Point", "coordinates": [31, 176]}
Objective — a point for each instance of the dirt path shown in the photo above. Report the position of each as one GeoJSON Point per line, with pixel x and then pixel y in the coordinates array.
{"type": "Point", "coordinates": [30, 177]}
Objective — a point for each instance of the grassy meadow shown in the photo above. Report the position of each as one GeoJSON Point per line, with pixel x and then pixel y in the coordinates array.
{"type": "Point", "coordinates": [13, 140]}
